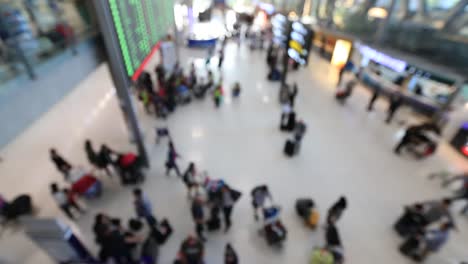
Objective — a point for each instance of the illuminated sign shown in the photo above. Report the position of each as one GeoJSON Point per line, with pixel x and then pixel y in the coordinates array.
{"type": "Point", "coordinates": [299, 43]}
{"type": "Point", "coordinates": [381, 58]}
{"type": "Point", "coordinates": [140, 25]}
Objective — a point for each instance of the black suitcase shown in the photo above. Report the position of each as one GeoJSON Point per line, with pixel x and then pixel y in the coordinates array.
{"type": "Point", "coordinates": [214, 224]}
{"type": "Point", "coordinates": [21, 205]}
{"type": "Point", "coordinates": [410, 248]}
{"type": "Point", "coordinates": [289, 148]}
{"type": "Point", "coordinates": [304, 207]}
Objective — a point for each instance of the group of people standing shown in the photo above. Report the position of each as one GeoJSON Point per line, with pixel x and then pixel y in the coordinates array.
{"type": "Point", "coordinates": [84, 183]}
{"type": "Point", "coordinates": [210, 198]}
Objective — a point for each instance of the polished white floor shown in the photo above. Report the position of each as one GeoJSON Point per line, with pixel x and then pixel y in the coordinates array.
{"type": "Point", "coordinates": [346, 151]}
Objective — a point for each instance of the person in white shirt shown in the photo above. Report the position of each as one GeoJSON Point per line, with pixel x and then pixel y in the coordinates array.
{"type": "Point", "coordinates": [63, 201]}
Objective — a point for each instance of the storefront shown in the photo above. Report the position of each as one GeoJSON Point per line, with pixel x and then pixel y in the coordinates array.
{"type": "Point", "coordinates": [334, 47]}
{"type": "Point", "coordinates": [426, 90]}
{"type": "Point", "coordinates": [34, 31]}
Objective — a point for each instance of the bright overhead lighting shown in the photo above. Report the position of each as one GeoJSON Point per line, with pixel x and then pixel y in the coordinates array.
{"type": "Point", "coordinates": [377, 12]}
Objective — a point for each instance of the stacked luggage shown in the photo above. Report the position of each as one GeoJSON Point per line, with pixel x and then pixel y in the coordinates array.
{"type": "Point", "coordinates": [130, 167]}
{"type": "Point", "coordinates": [275, 231]}
{"type": "Point", "coordinates": [84, 183]}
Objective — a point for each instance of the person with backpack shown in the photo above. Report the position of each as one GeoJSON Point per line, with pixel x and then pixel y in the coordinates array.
{"type": "Point", "coordinates": [171, 163]}
{"type": "Point", "coordinates": [62, 165]}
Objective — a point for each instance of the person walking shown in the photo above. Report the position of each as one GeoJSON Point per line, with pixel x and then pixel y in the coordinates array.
{"type": "Point", "coordinates": [259, 196]}
{"type": "Point", "coordinates": [396, 100]}
{"type": "Point", "coordinates": [198, 215]}
{"type": "Point", "coordinates": [62, 165]}
{"type": "Point", "coordinates": [292, 95]}
{"type": "Point", "coordinates": [92, 156]}
{"type": "Point", "coordinates": [106, 158]}
{"type": "Point", "coordinates": [375, 96]}
{"type": "Point", "coordinates": [143, 207]}
{"type": "Point", "coordinates": [337, 209]}
{"type": "Point", "coordinates": [189, 179]}
{"type": "Point", "coordinates": [230, 255]}
{"type": "Point", "coordinates": [61, 197]}
{"type": "Point", "coordinates": [229, 198]}
{"type": "Point", "coordinates": [171, 163]}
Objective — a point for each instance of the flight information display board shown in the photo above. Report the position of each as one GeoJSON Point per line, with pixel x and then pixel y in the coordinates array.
{"type": "Point", "coordinates": [140, 25]}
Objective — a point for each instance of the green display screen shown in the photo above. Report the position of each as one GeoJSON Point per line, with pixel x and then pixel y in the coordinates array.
{"type": "Point", "coordinates": [140, 24]}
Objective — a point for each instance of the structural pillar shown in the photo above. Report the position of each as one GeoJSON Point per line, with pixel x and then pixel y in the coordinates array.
{"type": "Point", "coordinates": [119, 75]}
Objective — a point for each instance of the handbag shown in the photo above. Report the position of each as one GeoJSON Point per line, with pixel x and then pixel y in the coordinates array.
{"type": "Point", "coordinates": [162, 232]}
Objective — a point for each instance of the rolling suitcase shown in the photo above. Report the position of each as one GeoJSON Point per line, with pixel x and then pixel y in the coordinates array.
{"type": "Point", "coordinates": [289, 148]}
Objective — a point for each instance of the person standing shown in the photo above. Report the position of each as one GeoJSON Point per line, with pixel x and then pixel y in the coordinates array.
{"type": "Point", "coordinates": [171, 163]}
{"type": "Point", "coordinates": [143, 207]}
{"type": "Point", "coordinates": [230, 255]}
{"type": "Point", "coordinates": [293, 95]}
{"type": "Point", "coordinates": [189, 179]}
{"type": "Point", "coordinates": [192, 251]}
{"type": "Point", "coordinates": [337, 209]}
{"type": "Point", "coordinates": [221, 57]}
{"type": "Point", "coordinates": [396, 100]}
{"type": "Point", "coordinates": [229, 198]}
{"type": "Point", "coordinates": [63, 201]}
{"type": "Point", "coordinates": [62, 165]}
{"type": "Point", "coordinates": [93, 158]}
{"type": "Point", "coordinates": [198, 215]}
{"type": "Point", "coordinates": [259, 196]}
{"type": "Point", "coordinates": [218, 95]}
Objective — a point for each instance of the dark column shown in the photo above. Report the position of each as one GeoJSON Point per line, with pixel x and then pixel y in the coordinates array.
{"type": "Point", "coordinates": [119, 75]}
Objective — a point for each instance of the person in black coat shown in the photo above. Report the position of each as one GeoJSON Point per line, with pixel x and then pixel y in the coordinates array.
{"type": "Point", "coordinates": [62, 165]}
{"type": "Point", "coordinates": [230, 255]}
{"type": "Point", "coordinates": [337, 209]}
{"type": "Point", "coordinates": [396, 100]}
{"type": "Point", "coordinates": [293, 95]}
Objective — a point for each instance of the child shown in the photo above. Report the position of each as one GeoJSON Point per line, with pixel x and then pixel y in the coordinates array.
{"type": "Point", "coordinates": [236, 90]}
{"type": "Point", "coordinates": [218, 95]}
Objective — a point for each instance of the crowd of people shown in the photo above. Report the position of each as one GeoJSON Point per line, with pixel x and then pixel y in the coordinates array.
{"type": "Point", "coordinates": [212, 201]}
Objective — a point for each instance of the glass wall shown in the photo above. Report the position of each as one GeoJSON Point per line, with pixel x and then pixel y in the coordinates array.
{"type": "Point", "coordinates": [34, 31]}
